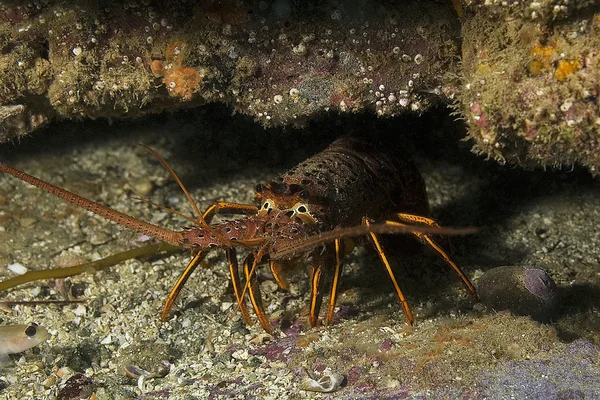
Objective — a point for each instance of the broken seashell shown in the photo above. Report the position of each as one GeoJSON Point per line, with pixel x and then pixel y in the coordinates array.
{"type": "Point", "coordinates": [324, 382]}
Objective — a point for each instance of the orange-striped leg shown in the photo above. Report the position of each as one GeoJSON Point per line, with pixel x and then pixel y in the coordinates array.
{"type": "Point", "coordinates": [254, 294]}
{"type": "Point", "coordinates": [384, 260]}
{"type": "Point", "coordinates": [237, 284]}
{"type": "Point", "coordinates": [277, 271]}
{"type": "Point", "coordinates": [224, 207]}
{"type": "Point", "coordinates": [180, 282]}
{"type": "Point", "coordinates": [316, 293]}
{"type": "Point", "coordinates": [419, 219]}
{"type": "Point", "coordinates": [426, 239]}
{"type": "Point", "coordinates": [337, 274]}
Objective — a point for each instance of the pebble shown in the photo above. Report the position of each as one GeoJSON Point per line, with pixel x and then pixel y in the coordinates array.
{"type": "Point", "coordinates": [520, 290]}
{"type": "Point", "coordinates": [142, 186]}
{"type": "Point", "coordinates": [17, 268]}
{"type": "Point", "coordinates": [77, 387]}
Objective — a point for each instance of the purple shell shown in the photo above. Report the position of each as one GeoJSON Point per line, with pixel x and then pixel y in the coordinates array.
{"type": "Point", "coordinates": [539, 283]}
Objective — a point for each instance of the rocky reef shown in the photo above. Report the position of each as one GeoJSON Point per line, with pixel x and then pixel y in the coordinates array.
{"type": "Point", "coordinates": [527, 84]}
{"type": "Point", "coordinates": [530, 81]}
{"type": "Point", "coordinates": [281, 61]}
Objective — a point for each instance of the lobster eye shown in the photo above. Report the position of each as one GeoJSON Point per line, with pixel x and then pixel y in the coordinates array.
{"type": "Point", "coordinates": [304, 194]}
{"type": "Point", "coordinates": [259, 188]}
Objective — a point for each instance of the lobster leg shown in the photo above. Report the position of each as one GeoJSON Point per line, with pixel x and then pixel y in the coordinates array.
{"type": "Point", "coordinates": [316, 293]}
{"type": "Point", "coordinates": [426, 239]}
{"type": "Point", "coordinates": [254, 294]}
{"type": "Point", "coordinates": [337, 274]}
{"type": "Point", "coordinates": [332, 259]}
{"type": "Point", "coordinates": [384, 260]}
{"type": "Point", "coordinates": [223, 207]}
{"type": "Point", "coordinates": [180, 282]}
{"type": "Point", "coordinates": [277, 269]}
{"type": "Point", "coordinates": [237, 284]}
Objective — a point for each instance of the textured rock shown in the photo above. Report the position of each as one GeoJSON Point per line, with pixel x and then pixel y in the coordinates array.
{"type": "Point", "coordinates": [531, 73]}
{"type": "Point", "coordinates": [527, 84]}
{"type": "Point", "coordinates": [280, 62]}
{"type": "Point", "coordinates": [521, 290]}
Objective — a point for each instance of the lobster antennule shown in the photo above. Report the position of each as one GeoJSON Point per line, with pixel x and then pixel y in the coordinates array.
{"type": "Point", "coordinates": [289, 248]}
{"type": "Point", "coordinates": [201, 217]}
{"type": "Point", "coordinates": [166, 235]}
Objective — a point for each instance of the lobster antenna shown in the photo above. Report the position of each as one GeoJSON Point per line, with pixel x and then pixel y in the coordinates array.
{"type": "Point", "coordinates": [389, 227]}
{"type": "Point", "coordinates": [193, 221]}
{"type": "Point", "coordinates": [181, 185]}
{"type": "Point", "coordinates": [147, 228]}
{"type": "Point", "coordinates": [201, 219]}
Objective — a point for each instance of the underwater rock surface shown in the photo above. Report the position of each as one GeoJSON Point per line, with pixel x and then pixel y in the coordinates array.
{"type": "Point", "coordinates": [530, 91]}
{"type": "Point", "coordinates": [523, 74]}
{"type": "Point", "coordinates": [281, 62]}
{"type": "Point", "coordinates": [521, 290]}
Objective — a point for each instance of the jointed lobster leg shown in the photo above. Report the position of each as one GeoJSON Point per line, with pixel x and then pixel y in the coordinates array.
{"type": "Point", "coordinates": [337, 274]}
{"type": "Point", "coordinates": [254, 293]}
{"type": "Point", "coordinates": [223, 207]}
{"type": "Point", "coordinates": [316, 292]}
{"type": "Point", "coordinates": [277, 269]}
{"type": "Point", "coordinates": [180, 282]}
{"type": "Point", "coordinates": [237, 285]}
{"type": "Point", "coordinates": [426, 239]}
{"type": "Point", "coordinates": [382, 256]}
{"type": "Point", "coordinates": [330, 261]}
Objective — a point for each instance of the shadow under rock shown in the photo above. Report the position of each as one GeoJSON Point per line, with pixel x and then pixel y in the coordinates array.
{"type": "Point", "coordinates": [498, 193]}
{"type": "Point", "coordinates": [578, 312]}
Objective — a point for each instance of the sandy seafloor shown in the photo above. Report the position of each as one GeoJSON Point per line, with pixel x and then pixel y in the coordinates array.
{"type": "Point", "coordinates": [457, 348]}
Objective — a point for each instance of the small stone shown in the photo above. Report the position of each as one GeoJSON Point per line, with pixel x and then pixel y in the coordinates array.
{"type": "Point", "coordinates": [17, 268]}
{"type": "Point", "coordinates": [299, 50]}
{"type": "Point", "coordinates": [520, 290]}
{"type": "Point", "coordinates": [77, 387]}
{"type": "Point", "coordinates": [142, 186]}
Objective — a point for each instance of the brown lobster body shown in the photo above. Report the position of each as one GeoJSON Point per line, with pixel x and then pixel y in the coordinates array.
{"type": "Point", "coordinates": [352, 188]}
{"type": "Point", "coordinates": [353, 178]}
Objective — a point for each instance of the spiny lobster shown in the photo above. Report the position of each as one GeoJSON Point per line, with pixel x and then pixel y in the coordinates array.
{"type": "Point", "coordinates": [314, 211]}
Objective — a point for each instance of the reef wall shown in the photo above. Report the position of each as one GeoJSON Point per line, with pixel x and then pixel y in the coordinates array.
{"type": "Point", "coordinates": [532, 80]}
{"type": "Point", "coordinates": [527, 85]}
{"type": "Point", "coordinates": [279, 61]}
